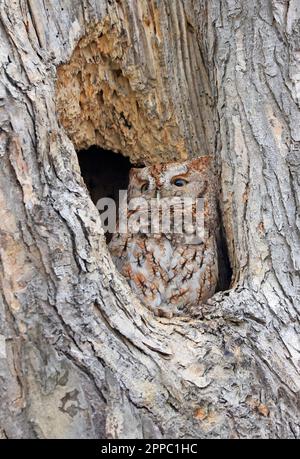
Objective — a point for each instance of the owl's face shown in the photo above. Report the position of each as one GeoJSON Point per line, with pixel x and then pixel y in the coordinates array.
{"type": "Point", "coordinates": [184, 179]}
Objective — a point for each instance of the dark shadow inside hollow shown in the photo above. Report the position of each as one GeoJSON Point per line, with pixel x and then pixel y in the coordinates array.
{"type": "Point", "coordinates": [104, 173]}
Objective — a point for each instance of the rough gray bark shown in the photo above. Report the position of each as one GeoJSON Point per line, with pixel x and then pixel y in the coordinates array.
{"type": "Point", "coordinates": [79, 356]}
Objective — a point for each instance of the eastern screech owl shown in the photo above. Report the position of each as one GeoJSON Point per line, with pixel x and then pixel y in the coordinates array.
{"type": "Point", "coordinates": [168, 273]}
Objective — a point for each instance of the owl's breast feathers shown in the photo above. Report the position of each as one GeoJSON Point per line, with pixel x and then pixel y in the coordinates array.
{"type": "Point", "coordinates": [164, 273]}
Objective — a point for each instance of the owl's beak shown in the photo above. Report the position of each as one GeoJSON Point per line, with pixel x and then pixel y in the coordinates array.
{"type": "Point", "coordinates": [157, 194]}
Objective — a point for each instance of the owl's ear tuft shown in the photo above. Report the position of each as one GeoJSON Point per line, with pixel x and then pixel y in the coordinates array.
{"type": "Point", "coordinates": [206, 161]}
{"type": "Point", "coordinates": [134, 171]}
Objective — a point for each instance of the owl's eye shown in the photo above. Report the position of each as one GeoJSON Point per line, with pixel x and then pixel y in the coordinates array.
{"type": "Point", "coordinates": [179, 182]}
{"type": "Point", "coordinates": [145, 187]}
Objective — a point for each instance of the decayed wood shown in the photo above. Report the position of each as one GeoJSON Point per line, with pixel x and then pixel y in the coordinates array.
{"type": "Point", "coordinates": [79, 356]}
{"type": "Point", "coordinates": [127, 86]}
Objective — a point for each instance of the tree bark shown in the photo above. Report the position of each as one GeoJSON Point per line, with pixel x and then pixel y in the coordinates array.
{"type": "Point", "coordinates": [79, 355]}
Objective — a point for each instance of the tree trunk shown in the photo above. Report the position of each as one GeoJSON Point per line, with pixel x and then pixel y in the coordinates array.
{"type": "Point", "coordinates": [155, 80]}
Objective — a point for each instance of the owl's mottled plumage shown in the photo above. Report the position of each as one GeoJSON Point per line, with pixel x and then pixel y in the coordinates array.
{"type": "Point", "coordinates": [168, 274]}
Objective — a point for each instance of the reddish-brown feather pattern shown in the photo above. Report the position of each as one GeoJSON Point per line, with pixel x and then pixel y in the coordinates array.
{"type": "Point", "coordinates": [169, 275]}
